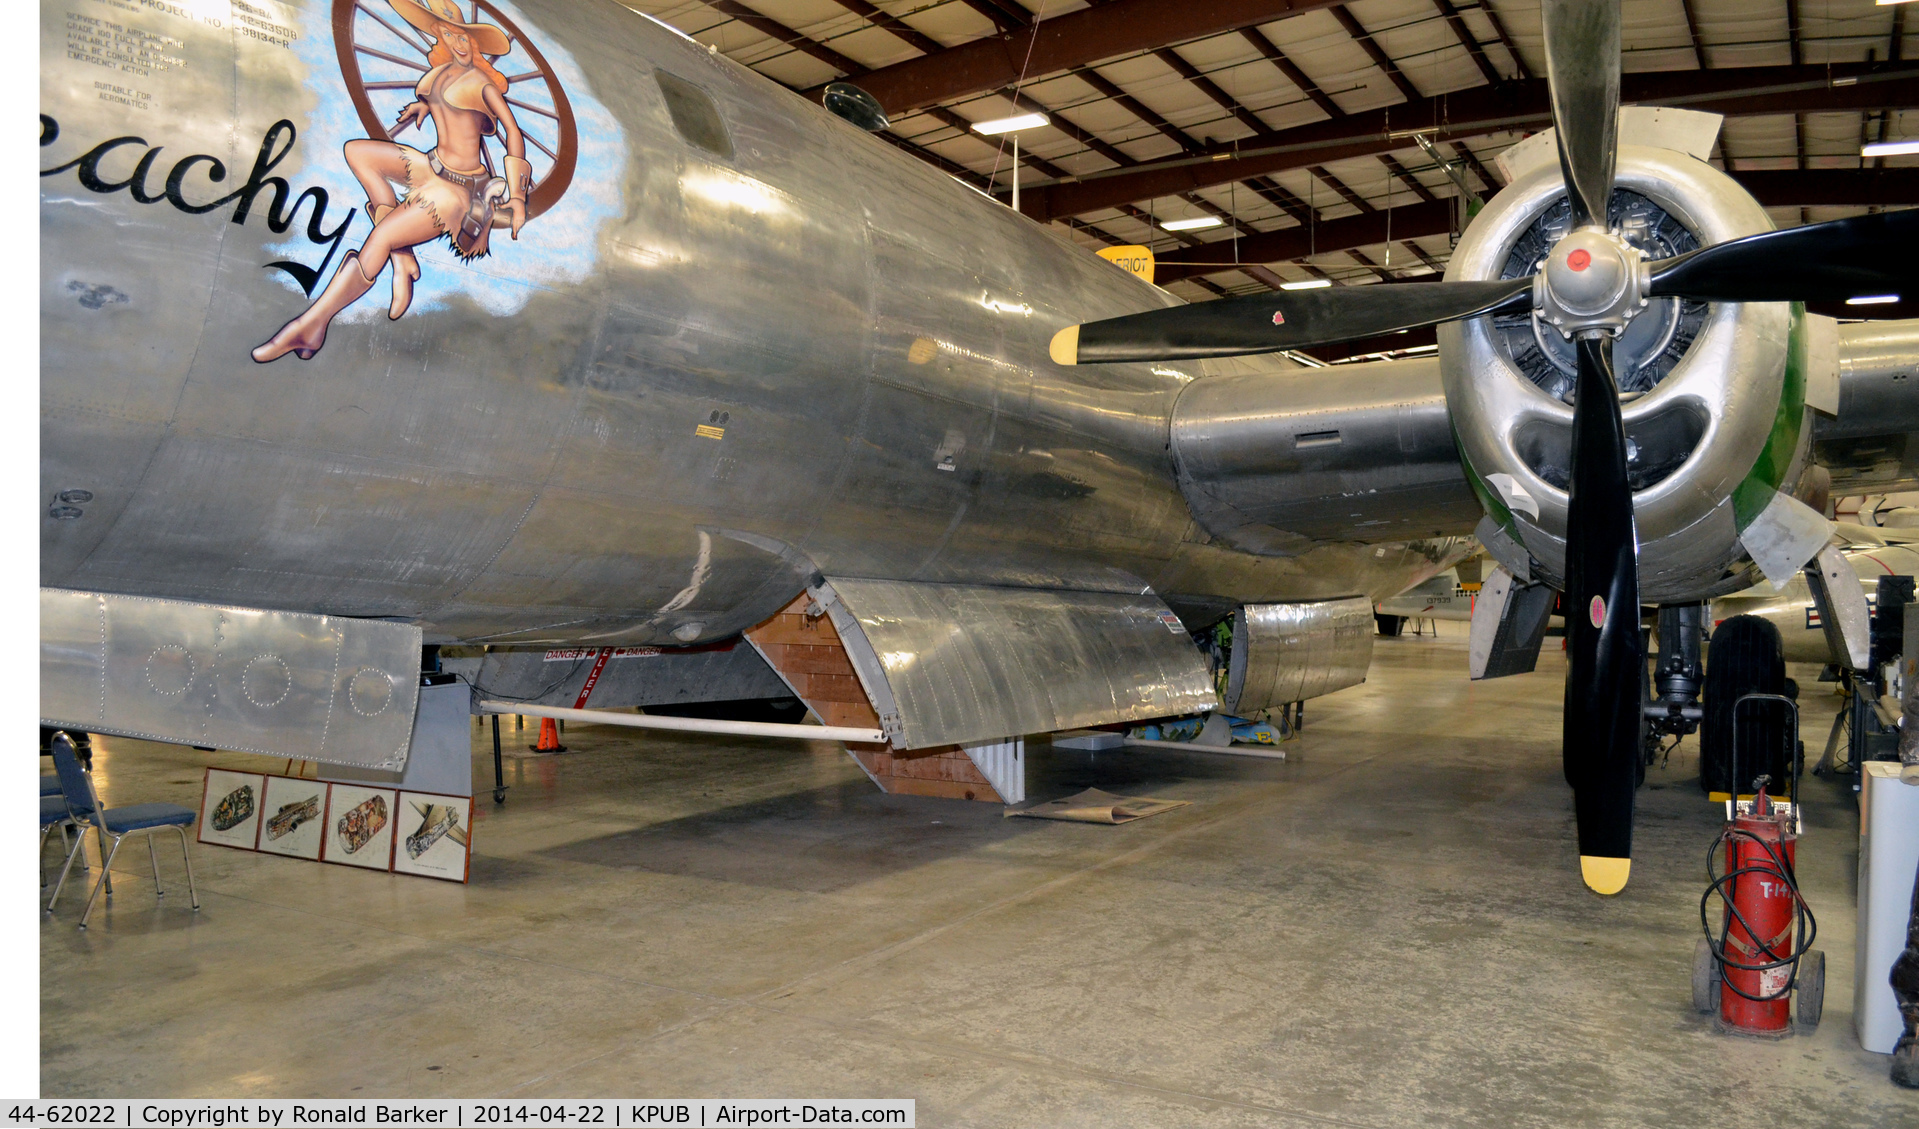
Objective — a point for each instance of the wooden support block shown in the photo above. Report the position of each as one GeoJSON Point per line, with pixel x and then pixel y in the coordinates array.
{"type": "Point", "coordinates": [957, 767]}
{"type": "Point", "coordinates": [784, 628]}
{"type": "Point", "coordinates": [854, 715]}
{"type": "Point", "coordinates": [944, 789]}
{"type": "Point", "coordinates": [828, 687]}
{"type": "Point", "coordinates": [929, 751]}
{"type": "Point", "coordinates": [808, 655]}
{"type": "Point", "coordinates": [798, 658]}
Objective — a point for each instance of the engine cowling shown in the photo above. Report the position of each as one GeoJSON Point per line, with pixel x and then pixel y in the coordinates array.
{"type": "Point", "coordinates": [1712, 393]}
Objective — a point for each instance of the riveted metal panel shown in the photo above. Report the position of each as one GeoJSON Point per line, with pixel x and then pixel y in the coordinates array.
{"type": "Point", "coordinates": [1291, 652]}
{"type": "Point", "coordinates": [287, 684]}
{"type": "Point", "coordinates": [963, 664]}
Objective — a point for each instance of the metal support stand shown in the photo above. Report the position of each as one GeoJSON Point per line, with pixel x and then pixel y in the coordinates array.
{"type": "Point", "coordinates": [499, 771]}
{"type": "Point", "coordinates": [1827, 762]}
{"type": "Point", "coordinates": [1871, 738]}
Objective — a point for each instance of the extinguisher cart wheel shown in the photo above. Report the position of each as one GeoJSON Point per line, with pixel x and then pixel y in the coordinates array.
{"type": "Point", "coordinates": [1812, 989]}
{"type": "Point", "coordinates": [1705, 978]}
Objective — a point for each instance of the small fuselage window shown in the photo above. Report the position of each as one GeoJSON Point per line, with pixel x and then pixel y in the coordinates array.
{"type": "Point", "coordinates": [695, 115]}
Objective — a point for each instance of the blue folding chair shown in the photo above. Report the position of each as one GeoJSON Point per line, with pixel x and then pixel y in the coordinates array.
{"type": "Point", "coordinates": [76, 852]}
{"type": "Point", "coordinates": [50, 791]}
{"type": "Point", "coordinates": [84, 808]}
{"type": "Point", "coordinates": [53, 815]}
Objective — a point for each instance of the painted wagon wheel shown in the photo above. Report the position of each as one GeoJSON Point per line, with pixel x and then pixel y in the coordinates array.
{"type": "Point", "coordinates": [370, 32]}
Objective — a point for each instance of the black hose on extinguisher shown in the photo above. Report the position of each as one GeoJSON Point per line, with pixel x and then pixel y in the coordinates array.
{"type": "Point", "coordinates": [1721, 884]}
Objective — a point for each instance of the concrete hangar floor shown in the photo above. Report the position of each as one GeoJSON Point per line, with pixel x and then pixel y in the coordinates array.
{"type": "Point", "coordinates": [1388, 929]}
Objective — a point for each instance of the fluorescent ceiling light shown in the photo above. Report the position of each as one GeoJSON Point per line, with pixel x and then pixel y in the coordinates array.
{"type": "Point", "coordinates": [1197, 223]}
{"type": "Point", "coordinates": [1873, 300]}
{"type": "Point", "coordinates": [1890, 149]}
{"type": "Point", "coordinates": [1011, 125]}
{"type": "Point", "coordinates": [1890, 3]}
{"type": "Point", "coordinates": [1309, 284]}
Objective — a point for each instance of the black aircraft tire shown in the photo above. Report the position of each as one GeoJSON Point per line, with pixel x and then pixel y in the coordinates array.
{"type": "Point", "coordinates": [1744, 657]}
{"type": "Point", "coordinates": [1390, 625]}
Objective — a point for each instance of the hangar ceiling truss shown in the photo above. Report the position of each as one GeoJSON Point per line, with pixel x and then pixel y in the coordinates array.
{"type": "Point", "coordinates": [1329, 140]}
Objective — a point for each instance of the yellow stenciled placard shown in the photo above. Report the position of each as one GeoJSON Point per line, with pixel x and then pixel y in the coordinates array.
{"type": "Point", "coordinates": [1136, 259]}
{"type": "Point", "coordinates": [707, 431]}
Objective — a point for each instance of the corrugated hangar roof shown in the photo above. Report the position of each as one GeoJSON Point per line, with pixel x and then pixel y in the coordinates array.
{"type": "Point", "coordinates": [1281, 117]}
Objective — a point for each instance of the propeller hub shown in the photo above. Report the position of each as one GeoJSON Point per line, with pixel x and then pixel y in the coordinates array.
{"type": "Point", "coordinates": [1593, 281]}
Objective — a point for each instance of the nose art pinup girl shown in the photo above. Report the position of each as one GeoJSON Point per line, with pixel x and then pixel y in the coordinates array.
{"type": "Point", "coordinates": [451, 189]}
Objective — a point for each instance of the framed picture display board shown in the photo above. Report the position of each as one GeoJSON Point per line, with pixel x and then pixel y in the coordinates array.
{"type": "Point", "coordinates": [230, 808]}
{"type": "Point", "coordinates": [433, 836]}
{"type": "Point", "coordinates": [293, 817]}
{"type": "Point", "coordinates": [359, 826]}
{"type": "Point", "coordinates": [421, 833]}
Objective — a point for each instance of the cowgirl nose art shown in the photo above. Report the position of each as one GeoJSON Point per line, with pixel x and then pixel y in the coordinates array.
{"type": "Point", "coordinates": [466, 167]}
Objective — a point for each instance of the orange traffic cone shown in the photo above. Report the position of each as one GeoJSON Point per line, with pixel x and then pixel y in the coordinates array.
{"type": "Point", "coordinates": [549, 738]}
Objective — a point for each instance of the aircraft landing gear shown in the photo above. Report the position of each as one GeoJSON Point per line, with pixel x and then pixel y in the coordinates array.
{"type": "Point", "coordinates": [1672, 706]}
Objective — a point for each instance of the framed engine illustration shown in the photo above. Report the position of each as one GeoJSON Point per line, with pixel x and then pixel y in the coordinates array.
{"type": "Point", "coordinates": [419, 833]}
{"type": "Point", "coordinates": [359, 827]}
{"type": "Point", "coordinates": [230, 808]}
{"type": "Point", "coordinates": [293, 817]}
{"type": "Point", "coordinates": [432, 838]}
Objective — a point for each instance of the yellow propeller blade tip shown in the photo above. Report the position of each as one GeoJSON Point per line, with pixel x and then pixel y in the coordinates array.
{"type": "Point", "coordinates": [1065, 346]}
{"type": "Point", "coordinates": [1604, 875]}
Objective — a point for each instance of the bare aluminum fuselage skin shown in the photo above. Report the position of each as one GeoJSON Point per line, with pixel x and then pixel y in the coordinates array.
{"type": "Point", "coordinates": [867, 335]}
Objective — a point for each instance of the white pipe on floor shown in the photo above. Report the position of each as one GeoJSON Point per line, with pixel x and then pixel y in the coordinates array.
{"type": "Point", "coordinates": [692, 724]}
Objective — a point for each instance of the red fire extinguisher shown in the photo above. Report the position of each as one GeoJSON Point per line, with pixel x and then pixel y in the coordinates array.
{"type": "Point", "coordinates": [1761, 954]}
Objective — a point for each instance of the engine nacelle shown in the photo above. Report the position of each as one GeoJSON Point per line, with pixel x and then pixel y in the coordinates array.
{"type": "Point", "coordinates": [1714, 410]}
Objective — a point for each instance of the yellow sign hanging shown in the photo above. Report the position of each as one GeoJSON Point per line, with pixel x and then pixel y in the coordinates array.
{"type": "Point", "coordinates": [1138, 260]}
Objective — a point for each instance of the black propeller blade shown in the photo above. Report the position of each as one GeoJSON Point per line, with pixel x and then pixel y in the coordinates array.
{"type": "Point", "coordinates": [1601, 735]}
{"type": "Point", "coordinates": [1821, 262]}
{"type": "Point", "coordinates": [1600, 741]}
{"type": "Point", "coordinates": [1266, 323]}
{"type": "Point", "coordinates": [1582, 71]}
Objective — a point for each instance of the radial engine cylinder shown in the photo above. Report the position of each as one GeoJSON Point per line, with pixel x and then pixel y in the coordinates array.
{"type": "Point", "coordinates": [1714, 412]}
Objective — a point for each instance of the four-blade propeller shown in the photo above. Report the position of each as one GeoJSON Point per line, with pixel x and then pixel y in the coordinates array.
{"type": "Point", "coordinates": [1589, 286]}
